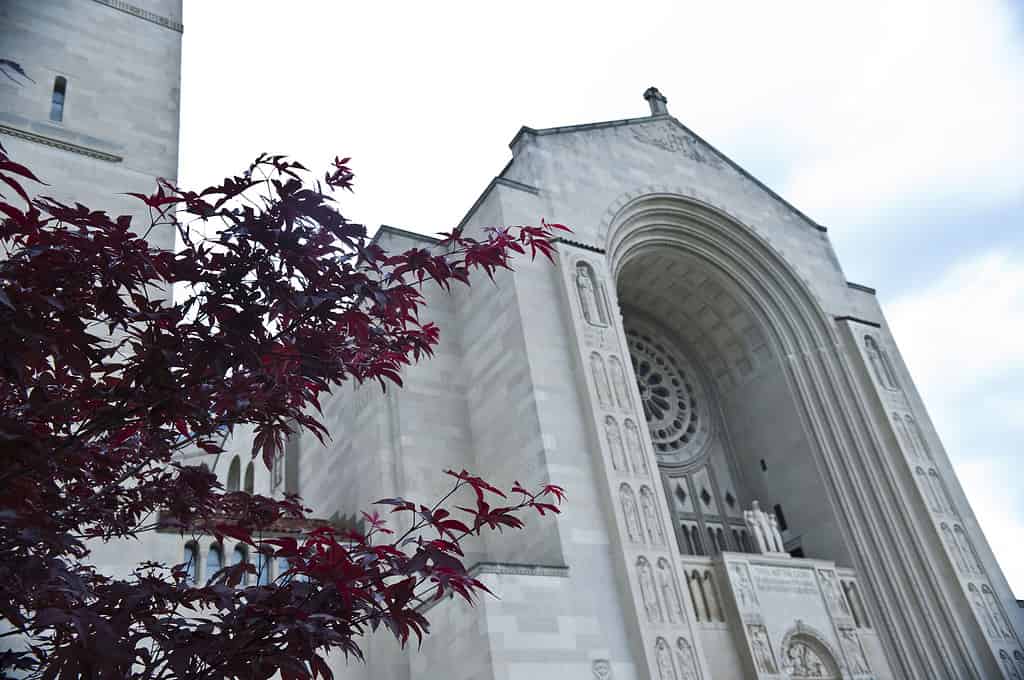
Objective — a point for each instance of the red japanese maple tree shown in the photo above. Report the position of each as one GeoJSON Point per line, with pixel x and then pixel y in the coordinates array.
{"type": "Point", "coordinates": [105, 381]}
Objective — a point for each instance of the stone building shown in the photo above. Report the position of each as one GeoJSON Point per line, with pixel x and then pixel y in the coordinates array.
{"type": "Point", "coordinates": [756, 489]}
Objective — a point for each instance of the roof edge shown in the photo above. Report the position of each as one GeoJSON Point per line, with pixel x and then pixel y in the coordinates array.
{"type": "Point", "coordinates": [397, 231]}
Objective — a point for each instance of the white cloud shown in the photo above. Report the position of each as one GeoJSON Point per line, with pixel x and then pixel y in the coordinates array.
{"type": "Point", "coordinates": [962, 340]}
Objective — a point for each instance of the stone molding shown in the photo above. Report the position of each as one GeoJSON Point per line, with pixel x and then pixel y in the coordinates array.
{"type": "Point", "coordinates": [854, 319]}
{"type": "Point", "coordinates": [512, 569]}
{"type": "Point", "coordinates": [143, 14]}
{"type": "Point", "coordinates": [59, 144]}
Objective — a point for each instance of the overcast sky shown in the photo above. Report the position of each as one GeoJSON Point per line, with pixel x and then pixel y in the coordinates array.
{"type": "Point", "coordinates": [896, 124]}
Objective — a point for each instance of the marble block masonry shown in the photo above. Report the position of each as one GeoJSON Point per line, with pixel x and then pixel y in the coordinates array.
{"type": "Point", "coordinates": [756, 488]}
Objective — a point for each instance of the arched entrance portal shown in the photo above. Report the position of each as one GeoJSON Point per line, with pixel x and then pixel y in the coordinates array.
{"type": "Point", "coordinates": [722, 418]}
{"type": "Point", "coordinates": [780, 388]}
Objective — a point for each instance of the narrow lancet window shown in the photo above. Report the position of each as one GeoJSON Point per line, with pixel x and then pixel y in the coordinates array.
{"type": "Point", "coordinates": [60, 88]}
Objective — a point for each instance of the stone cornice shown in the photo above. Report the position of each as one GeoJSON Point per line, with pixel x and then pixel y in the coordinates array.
{"type": "Point", "coordinates": [143, 14]}
{"type": "Point", "coordinates": [518, 569]}
{"type": "Point", "coordinates": [873, 324]}
{"type": "Point", "coordinates": [59, 144]}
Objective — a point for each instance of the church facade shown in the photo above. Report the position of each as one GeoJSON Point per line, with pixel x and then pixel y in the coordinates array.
{"type": "Point", "coordinates": [755, 487]}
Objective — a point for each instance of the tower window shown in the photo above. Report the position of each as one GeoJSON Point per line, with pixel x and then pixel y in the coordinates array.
{"type": "Point", "coordinates": [60, 87]}
{"type": "Point", "coordinates": [781, 517]}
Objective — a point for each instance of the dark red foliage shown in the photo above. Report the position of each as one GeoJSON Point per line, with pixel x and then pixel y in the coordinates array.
{"type": "Point", "coordinates": [104, 382]}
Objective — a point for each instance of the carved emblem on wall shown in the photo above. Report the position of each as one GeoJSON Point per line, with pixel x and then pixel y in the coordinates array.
{"type": "Point", "coordinates": [676, 142]}
{"type": "Point", "coordinates": [854, 651]}
{"type": "Point", "coordinates": [804, 658]}
{"type": "Point", "coordinates": [592, 299]}
{"type": "Point", "coordinates": [648, 590]}
{"type": "Point", "coordinates": [746, 598]}
{"type": "Point", "coordinates": [602, 669]}
{"type": "Point", "coordinates": [631, 515]}
{"type": "Point", "coordinates": [761, 649]}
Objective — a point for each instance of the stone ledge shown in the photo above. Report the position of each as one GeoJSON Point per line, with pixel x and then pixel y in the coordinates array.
{"type": "Point", "coordinates": [59, 144]}
{"type": "Point", "coordinates": [143, 14]}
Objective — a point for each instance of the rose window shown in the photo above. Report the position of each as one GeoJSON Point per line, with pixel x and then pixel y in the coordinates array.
{"type": "Point", "coordinates": [672, 398]}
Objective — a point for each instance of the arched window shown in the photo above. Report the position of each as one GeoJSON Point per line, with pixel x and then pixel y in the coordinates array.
{"type": "Point", "coordinates": [214, 561]}
{"type": "Point", "coordinates": [720, 540]}
{"type": "Point", "coordinates": [234, 474]}
{"type": "Point", "coordinates": [711, 597]}
{"type": "Point", "coordinates": [192, 562]}
{"type": "Point", "coordinates": [282, 567]}
{"type": "Point", "coordinates": [240, 555]}
{"type": "Point", "coordinates": [698, 547]}
{"type": "Point", "coordinates": [263, 567]}
{"type": "Point", "coordinates": [700, 605]}
{"type": "Point", "coordinates": [60, 88]}
{"type": "Point", "coordinates": [249, 478]}
{"type": "Point", "coordinates": [712, 545]}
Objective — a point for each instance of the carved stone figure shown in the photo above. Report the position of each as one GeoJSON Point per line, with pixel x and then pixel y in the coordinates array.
{"type": "Point", "coordinates": [687, 661]}
{"type": "Point", "coordinates": [803, 662]}
{"type": "Point", "coordinates": [699, 606]}
{"type": "Point", "coordinates": [588, 292]}
{"type": "Point", "coordinates": [997, 614]}
{"type": "Point", "coordinates": [663, 657]}
{"type": "Point", "coordinates": [954, 549]}
{"type": "Point", "coordinates": [619, 383]}
{"type": "Point", "coordinates": [1018, 659]}
{"type": "Point", "coordinates": [604, 394]}
{"type": "Point", "coordinates": [918, 438]}
{"type": "Point", "coordinates": [618, 453]}
{"type": "Point", "coordinates": [879, 361]}
{"type": "Point", "coordinates": [970, 557]}
{"type": "Point", "coordinates": [631, 515]}
{"type": "Point", "coordinates": [982, 612]}
{"type": "Point", "coordinates": [830, 587]}
{"type": "Point", "coordinates": [853, 650]}
{"type": "Point", "coordinates": [670, 592]}
{"type": "Point", "coordinates": [1011, 672]}
{"type": "Point", "coordinates": [743, 587]}
{"type": "Point", "coordinates": [602, 669]}
{"type": "Point", "coordinates": [649, 591]}
{"type": "Point", "coordinates": [711, 598]}
{"type": "Point", "coordinates": [650, 514]}
{"type": "Point", "coordinates": [764, 527]}
{"type": "Point", "coordinates": [761, 648]}
{"type": "Point", "coordinates": [635, 448]}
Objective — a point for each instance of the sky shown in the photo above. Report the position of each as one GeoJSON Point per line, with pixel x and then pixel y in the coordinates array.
{"type": "Point", "coordinates": [895, 123]}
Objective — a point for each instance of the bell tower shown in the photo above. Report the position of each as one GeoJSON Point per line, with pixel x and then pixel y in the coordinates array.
{"type": "Point", "coordinates": [95, 111]}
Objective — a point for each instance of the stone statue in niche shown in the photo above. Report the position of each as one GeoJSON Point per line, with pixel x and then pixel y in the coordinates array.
{"type": "Point", "coordinates": [618, 453]}
{"type": "Point", "coordinates": [982, 612]}
{"type": "Point", "coordinates": [687, 661]}
{"type": "Point", "coordinates": [663, 657]}
{"type": "Point", "coordinates": [631, 515]}
{"type": "Point", "coordinates": [650, 515]}
{"type": "Point", "coordinates": [830, 587]}
{"type": "Point", "coordinates": [1008, 668]}
{"type": "Point", "coordinates": [970, 557]}
{"type": "Point", "coordinates": [761, 648]}
{"type": "Point", "coordinates": [602, 669]}
{"type": "Point", "coordinates": [635, 448]}
{"type": "Point", "coordinates": [670, 592]}
{"type": "Point", "coordinates": [879, 361]}
{"type": "Point", "coordinates": [854, 652]}
{"type": "Point", "coordinates": [953, 548]}
{"type": "Point", "coordinates": [743, 587]}
{"type": "Point", "coordinates": [590, 296]}
{"type": "Point", "coordinates": [604, 393]}
{"type": "Point", "coordinates": [997, 615]}
{"type": "Point", "coordinates": [619, 383]}
{"type": "Point", "coordinates": [764, 527]}
{"type": "Point", "coordinates": [649, 591]}
{"type": "Point", "coordinates": [801, 661]}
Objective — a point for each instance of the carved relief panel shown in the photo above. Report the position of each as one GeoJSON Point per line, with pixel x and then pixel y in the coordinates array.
{"type": "Point", "coordinates": [629, 467]}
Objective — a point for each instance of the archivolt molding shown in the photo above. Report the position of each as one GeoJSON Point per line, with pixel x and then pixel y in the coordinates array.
{"type": "Point", "coordinates": [877, 519]}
